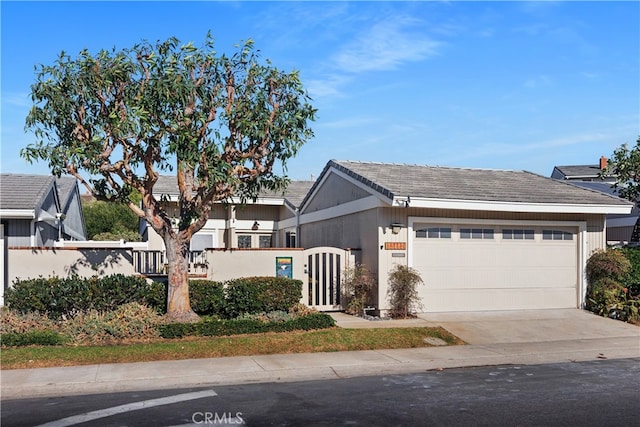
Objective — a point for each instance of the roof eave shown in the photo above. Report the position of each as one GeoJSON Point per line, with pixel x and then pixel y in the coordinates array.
{"type": "Point", "coordinates": [17, 213]}
{"type": "Point", "coordinates": [501, 206]}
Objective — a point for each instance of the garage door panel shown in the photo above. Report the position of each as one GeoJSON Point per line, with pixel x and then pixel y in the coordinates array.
{"type": "Point", "coordinates": [487, 278]}
{"type": "Point", "coordinates": [498, 299]}
{"type": "Point", "coordinates": [496, 274]}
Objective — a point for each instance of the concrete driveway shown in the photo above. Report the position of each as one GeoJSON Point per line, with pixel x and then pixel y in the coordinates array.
{"type": "Point", "coordinates": [528, 326]}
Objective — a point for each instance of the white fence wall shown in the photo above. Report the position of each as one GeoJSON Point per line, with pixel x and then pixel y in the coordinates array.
{"type": "Point", "coordinates": [26, 262]}
{"type": "Point", "coordinates": [212, 264]}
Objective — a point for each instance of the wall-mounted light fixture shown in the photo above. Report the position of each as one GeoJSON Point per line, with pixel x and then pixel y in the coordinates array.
{"type": "Point", "coordinates": [396, 227]}
{"type": "Point", "coordinates": [255, 226]}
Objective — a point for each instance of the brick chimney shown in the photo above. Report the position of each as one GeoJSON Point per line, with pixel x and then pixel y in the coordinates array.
{"type": "Point", "coordinates": [603, 163]}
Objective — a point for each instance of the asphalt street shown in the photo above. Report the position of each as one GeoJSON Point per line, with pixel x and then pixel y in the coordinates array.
{"type": "Point", "coordinates": [588, 393]}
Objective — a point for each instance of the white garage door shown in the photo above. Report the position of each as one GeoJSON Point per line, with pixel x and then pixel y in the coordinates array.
{"type": "Point", "coordinates": [493, 267]}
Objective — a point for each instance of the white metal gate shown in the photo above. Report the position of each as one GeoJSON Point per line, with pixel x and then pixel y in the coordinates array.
{"type": "Point", "coordinates": [324, 268]}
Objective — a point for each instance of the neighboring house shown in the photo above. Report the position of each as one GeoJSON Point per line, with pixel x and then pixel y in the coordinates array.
{"type": "Point", "coordinates": [583, 172]}
{"type": "Point", "coordinates": [38, 210]}
{"type": "Point", "coordinates": [270, 221]}
{"type": "Point", "coordinates": [619, 227]}
{"type": "Point", "coordinates": [480, 239]}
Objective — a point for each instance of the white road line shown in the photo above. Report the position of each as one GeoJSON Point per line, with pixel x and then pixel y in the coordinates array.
{"type": "Point", "coordinates": [102, 413]}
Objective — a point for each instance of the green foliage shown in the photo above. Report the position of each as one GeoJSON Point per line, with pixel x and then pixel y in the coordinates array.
{"type": "Point", "coordinates": [402, 292]}
{"type": "Point", "coordinates": [127, 322]}
{"type": "Point", "coordinates": [222, 123]}
{"type": "Point", "coordinates": [633, 255]}
{"type": "Point", "coordinates": [607, 297]}
{"type": "Point", "coordinates": [207, 297]}
{"type": "Point", "coordinates": [110, 221]}
{"type": "Point", "coordinates": [624, 165]}
{"type": "Point", "coordinates": [613, 288]}
{"type": "Point", "coordinates": [610, 264]}
{"type": "Point", "coordinates": [358, 285]}
{"type": "Point", "coordinates": [261, 294]}
{"type": "Point", "coordinates": [156, 296]}
{"type": "Point", "coordinates": [40, 337]}
{"type": "Point", "coordinates": [15, 322]}
{"type": "Point", "coordinates": [67, 297]}
{"type": "Point", "coordinates": [245, 326]}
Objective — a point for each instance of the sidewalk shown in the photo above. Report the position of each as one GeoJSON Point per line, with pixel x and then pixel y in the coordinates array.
{"type": "Point", "coordinates": [611, 339]}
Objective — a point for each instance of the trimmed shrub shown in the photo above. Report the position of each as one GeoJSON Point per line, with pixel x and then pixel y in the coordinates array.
{"type": "Point", "coordinates": [261, 294]}
{"type": "Point", "coordinates": [156, 296]}
{"type": "Point", "coordinates": [40, 337]}
{"type": "Point", "coordinates": [129, 321]}
{"type": "Point", "coordinates": [16, 322]}
{"type": "Point", "coordinates": [245, 326]}
{"type": "Point", "coordinates": [613, 288]}
{"type": "Point", "coordinates": [313, 321]}
{"type": "Point", "coordinates": [403, 292]}
{"type": "Point", "coordinates": [358, 285]}
{"type": "Point", "coordinates": [67, 297]}
{"type": "Point", "coordinates": [612, 264]}
{"type": "Point", "coordinates": [207, 297]}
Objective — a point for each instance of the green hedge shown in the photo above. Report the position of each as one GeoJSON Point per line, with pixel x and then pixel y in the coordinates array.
{"type": "Point", "coordinates": [244, 326]}
{"type": "Point", "coordinates": [66, 297]}
{"type": "Point", "coordinates": [14, 339]}
{"type": "Point", "coordinates": [206, 297]}
{"type": "Point", "coordinates": [614, 284]}
{"type": "Point", "coordinates": [261, 294]}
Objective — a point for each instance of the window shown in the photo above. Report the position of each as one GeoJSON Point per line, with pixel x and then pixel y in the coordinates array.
{"type": "Point", "coordinates": [434, 233]}
{"type": "Point", "coordinates": [244, 241]}
{"type": "Point", "coordinates": [202, 240]}
{"type": "Point", "coordinates": [264, 241]}
{"type": "Point", "coordinates": [556, 235]}
{"type": "Point", "coordinates": [291, 239]}
{"type": "Point", "coordinates": [517, 234]}
{"type": "Point", "coordinates": [476, 233]}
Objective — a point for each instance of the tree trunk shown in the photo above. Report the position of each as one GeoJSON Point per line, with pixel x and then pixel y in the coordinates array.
{"type": "Point", "coordinates": [178, 305]}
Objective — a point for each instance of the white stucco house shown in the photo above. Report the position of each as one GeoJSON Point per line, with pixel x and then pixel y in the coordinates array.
{"type": "Point", "coordinates": [268, 222]}
{"type": "Point", "coordinates": [481, 239]}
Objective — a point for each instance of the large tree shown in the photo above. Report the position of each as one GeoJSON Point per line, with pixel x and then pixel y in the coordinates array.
{"type": "Point", "coordinates": [624, 165]}
{"type": "Point", "coordinates": [220, 123]}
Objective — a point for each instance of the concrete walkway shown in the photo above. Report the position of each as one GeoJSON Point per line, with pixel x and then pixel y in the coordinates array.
{"type": "Point", "coordinates": [494, 338]}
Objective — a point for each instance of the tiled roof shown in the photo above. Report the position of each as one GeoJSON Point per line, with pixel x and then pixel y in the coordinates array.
{"type": "Point", "coordinates": [294, 194]}
{"type": "Point", "coordinates": [66, 188]}
{"type": "Point", "coordinates": [603, 187]}
{"type": "Point", "coordinates": [431, 182]}
{"type": "Point", "coordinates": [23, 191]}
{"type": "Point", "coordinates": [579, 170]}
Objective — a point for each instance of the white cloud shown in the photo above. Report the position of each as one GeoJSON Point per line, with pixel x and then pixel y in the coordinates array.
{"type": "Point", "coordinates": [539, 81]}
{"type": "Point", "coordinates": [16, 99]}
{"type": "Point", "coordinates": [385, 46]}
{"type": "Point", "coordinates": [330, 86]}
{"type": "Point", "coordinates": [350, 122]}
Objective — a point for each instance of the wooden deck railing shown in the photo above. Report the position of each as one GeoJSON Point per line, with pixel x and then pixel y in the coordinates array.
{"type": "Point", "coordinates": [154, 263]}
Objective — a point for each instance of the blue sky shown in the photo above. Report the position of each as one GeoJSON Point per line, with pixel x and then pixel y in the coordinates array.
{"type": "Point", "coordinates": [506, 85]}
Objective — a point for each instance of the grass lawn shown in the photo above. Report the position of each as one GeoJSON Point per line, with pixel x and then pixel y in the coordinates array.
{"type": "Point", "coordinates": [333, 339]}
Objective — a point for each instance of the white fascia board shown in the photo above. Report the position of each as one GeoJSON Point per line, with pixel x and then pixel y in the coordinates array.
{"type": "Point", "coordinates": [348, 208]}
{"type": "Point", "coordinates": [236, 200]}
{"type": "Point", "coordinates": [481, 205]}
{"type": "Point", "coordinates": [17, 213]}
